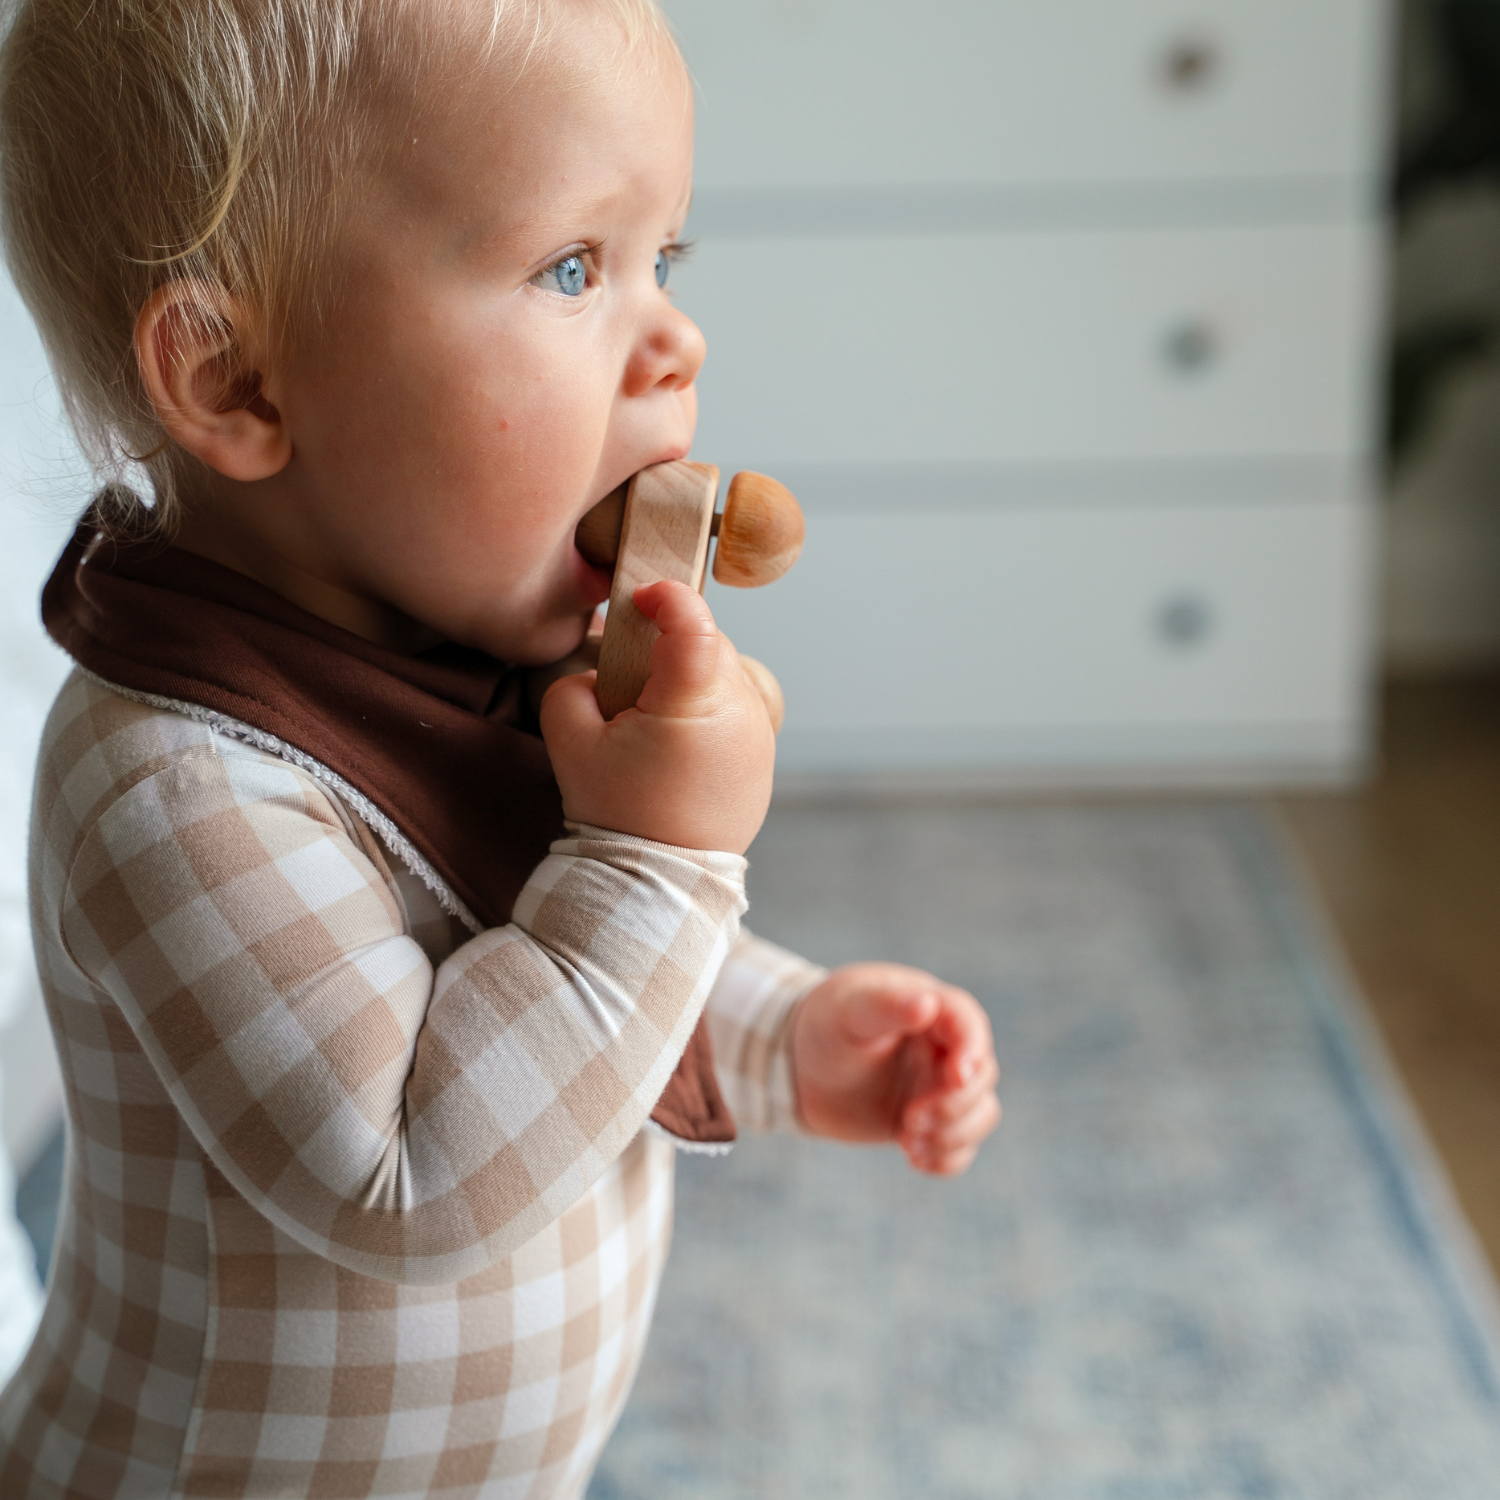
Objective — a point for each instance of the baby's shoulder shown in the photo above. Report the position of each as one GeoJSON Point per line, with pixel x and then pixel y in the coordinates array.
{"type": "Point", "coordinates": [148, 805]}
{"type": "Point", "coordinates": [114, 739]}
{"type": "Point", "coordinates": [101, 747]}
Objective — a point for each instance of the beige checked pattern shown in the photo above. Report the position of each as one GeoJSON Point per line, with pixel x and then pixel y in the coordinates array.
{"type": "Point", "coordinates": [358, 1204]}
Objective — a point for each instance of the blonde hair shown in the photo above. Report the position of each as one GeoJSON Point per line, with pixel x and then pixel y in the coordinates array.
{"type": "Point", "coordinates": [143, 141]}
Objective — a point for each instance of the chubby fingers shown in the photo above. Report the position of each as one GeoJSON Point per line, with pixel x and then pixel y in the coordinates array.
{"type": "Point", "coordinates": [943, 1127]}
{"type": "Point", "coordinates": [569, 709]}
{"type": "Point", "coordinates": [942, 1133]}
{"type": "Point", "coordinates": [952, 1150]}
{"type": "Point", "coordinates": [935, 1112]}
{"type": "Point", "coordinates": [685, 660]}
{"type": "Point", "coordinates": [960, 1030]}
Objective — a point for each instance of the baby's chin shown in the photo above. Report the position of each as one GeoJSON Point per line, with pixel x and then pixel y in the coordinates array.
{"type": "Point", "coordinates": [544, 644]}
{"type": "Point", "coordinates": [547, 618]}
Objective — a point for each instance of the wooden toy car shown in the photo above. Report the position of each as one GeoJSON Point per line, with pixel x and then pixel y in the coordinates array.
{"type": "Point", "coordinates": [659, 526]}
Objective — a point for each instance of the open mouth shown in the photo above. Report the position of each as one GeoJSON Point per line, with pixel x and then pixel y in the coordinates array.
{"type": "Point", "coordinates": [598, 535]}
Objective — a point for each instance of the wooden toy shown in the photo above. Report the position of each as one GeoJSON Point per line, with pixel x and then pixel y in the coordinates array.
{"type": "Point", "coordinates": [660, 526]}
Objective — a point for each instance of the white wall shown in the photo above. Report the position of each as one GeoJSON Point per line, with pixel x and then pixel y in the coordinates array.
{"type": "Point", "coordinates": [43, 484]}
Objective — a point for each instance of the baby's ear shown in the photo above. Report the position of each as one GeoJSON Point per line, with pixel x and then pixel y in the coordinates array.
{"type": "Point", "coordinates": [204, 375]}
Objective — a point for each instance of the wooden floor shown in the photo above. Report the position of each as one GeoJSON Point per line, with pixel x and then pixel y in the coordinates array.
{"type": "Point", "coordinates": [1409, 868]}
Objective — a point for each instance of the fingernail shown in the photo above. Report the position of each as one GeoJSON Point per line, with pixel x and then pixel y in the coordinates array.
{"type": "Point", "coordinates": [923, 1120]}
{"type": "Point", "coordinates": [968, 1068]}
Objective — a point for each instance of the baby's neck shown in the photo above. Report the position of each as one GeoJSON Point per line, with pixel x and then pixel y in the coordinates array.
{"type": "Point", "coordinates": [208, 530]}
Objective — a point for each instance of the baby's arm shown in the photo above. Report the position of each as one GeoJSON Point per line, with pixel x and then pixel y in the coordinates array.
{"type": "Point", "coordinates": [750, 1012]}
{"type": "Point", "coordinates": [411, 1126]}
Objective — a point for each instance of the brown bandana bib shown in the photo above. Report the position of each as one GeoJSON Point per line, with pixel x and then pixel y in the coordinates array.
{"type": "Point", "coordinates": [442, 744]}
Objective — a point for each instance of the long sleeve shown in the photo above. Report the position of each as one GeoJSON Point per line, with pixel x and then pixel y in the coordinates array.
{"type": "Point", "coordinates": [410, 1125]}
{"type": "Point", "coordinates": [750, 1016]}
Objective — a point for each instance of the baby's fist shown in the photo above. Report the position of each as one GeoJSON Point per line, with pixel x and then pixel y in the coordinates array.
{"type": "Point", "coordinates": [886, 1053]}
{"type": "Point", "coordinates": [691, 763]}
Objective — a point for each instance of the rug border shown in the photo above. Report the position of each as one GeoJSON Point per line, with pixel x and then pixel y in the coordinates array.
{"type": "Point", "coordinates": [1363, 1071]}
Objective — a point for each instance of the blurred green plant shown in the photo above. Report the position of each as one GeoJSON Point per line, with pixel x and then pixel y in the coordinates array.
{"type": "Point", "coordinates": [1462, 145]}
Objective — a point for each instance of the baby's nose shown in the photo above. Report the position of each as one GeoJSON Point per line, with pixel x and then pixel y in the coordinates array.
{"type": "Point", "coordinates": [670, 354]}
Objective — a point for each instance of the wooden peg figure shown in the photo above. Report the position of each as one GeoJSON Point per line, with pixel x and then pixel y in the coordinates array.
{"type": "Point", "coordinates": [661, 525]}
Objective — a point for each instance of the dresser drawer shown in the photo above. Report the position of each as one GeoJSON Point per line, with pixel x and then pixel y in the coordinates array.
{"type": "Point", "coordinates": [1233, 634]}
{"type": "Point", "coordinates": [1018, 347]}
{"type": "Point", "coordinates": [862, 92]}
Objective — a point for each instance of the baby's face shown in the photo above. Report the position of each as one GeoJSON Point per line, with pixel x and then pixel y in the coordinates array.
{"type": "Point", "coordinates": [505, 350]}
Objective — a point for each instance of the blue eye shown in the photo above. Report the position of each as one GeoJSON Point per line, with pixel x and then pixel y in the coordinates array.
{"type": "Point", "coordinates": [663, 267]}
{"type": "Point", "coordinates": [568, 277]}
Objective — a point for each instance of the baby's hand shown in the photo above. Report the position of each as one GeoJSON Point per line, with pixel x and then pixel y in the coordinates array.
{"type": "Point", "coordinates": [882, 1052]}
{"type": "Point", "coordinates": [689, 765]}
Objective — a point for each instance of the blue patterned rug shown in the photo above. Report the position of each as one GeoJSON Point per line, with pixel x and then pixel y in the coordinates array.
{"type": "Point", "coordinates": [1206, 1258]}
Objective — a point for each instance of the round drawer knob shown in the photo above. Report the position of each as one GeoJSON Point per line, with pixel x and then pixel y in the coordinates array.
{"type": "Point", "coordinates": [1191, 346]}
{"type": "Point", "coordinates": [1184, 621]}
{"type": "Point", "coordinates": [1190, 65]}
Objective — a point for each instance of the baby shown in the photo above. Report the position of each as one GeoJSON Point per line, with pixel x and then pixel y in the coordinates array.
{"type": "Point", "coordinates": [382, 1017]}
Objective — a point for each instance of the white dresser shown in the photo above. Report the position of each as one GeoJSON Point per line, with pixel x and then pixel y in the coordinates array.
{"type": "Point", "coordinates": [1061, 317]}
